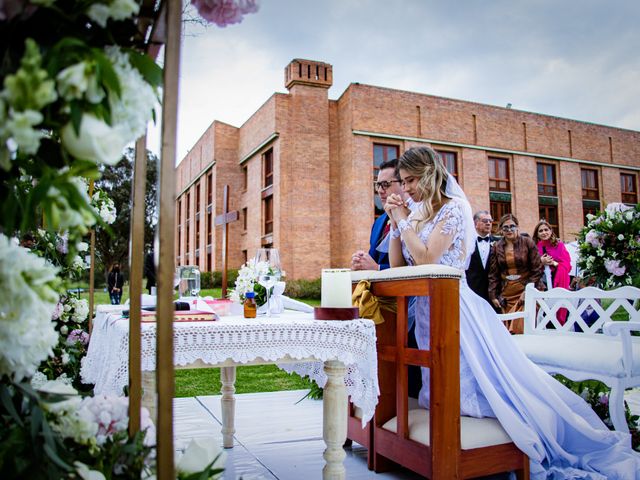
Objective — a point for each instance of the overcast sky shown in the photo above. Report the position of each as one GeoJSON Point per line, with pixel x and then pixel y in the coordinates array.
{"type": "Point", "coordinates": [576, 59]}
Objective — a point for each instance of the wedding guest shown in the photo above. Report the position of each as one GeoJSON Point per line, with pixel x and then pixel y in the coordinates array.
{"type": "Point", "coordinates": [115, 282]}
{"type": "Point", "coordinates": [555, 428]}
{"type": "Point", "coordinates": [478, 272]}
{"type": "Point", "coordinates": [555, 259]}
{"type": "Point", "coordinates": [514, 263]}
{"type": "Point", "coordinates": [150, 270]}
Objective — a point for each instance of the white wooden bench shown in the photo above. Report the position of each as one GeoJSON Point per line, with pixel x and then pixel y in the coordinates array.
{"type": "Point", "coordinates": [604, 351]}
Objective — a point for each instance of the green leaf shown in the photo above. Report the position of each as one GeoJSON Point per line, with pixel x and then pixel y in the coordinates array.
{"type": "Point", "coordinates": [53, 456]}
{"type": "Point", "coordinates": [76, 116]}
{"type": "Point", "coordinates": [150, 70]}
{"type": "Point", "coordinates": [106, 73]}
{"type": "Point", "coordinates": [7, 403]}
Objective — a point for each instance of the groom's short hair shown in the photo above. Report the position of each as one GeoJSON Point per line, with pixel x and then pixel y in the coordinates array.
{"type": "Point", "coordinates": [391, 164]}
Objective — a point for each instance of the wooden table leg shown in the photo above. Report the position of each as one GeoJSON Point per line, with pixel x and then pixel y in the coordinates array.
{"type": "Point", "coordinates": [228, 378]}
{"type": "Point", "coordinates": [334, 420]}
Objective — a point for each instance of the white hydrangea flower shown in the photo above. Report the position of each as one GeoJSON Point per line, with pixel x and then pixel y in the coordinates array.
{"type": "Point", "coordinates": [27, 334]}
{"type": "Point", "coordinates": [82, 246]}
{"type": "Point", "coordinates": [80, 309]}
{"type": "Point", "coordinates": [38, 380]}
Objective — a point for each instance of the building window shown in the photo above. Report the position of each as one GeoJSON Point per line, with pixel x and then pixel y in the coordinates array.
{"type": "Point", "coordinates": [244, 256]}
{"type": "Point", "coordinates": [267, 167]}
{"type": "Point", "coordinates": [268, 214]}
{"type": "Point", "coordinates": [245, 178]}
{"type": "Point", "coordinates": [210, 189]}
{"type": "Point", "coordinates": [498, 209]}
{"type": "Point", "coordinates": [450, 160]}
{"type": "Point", "coordinates": [209, 259]}
{"type": "Point", "coordinates": [187, 224]}
{"type": "Point", "coordinates": [381, 153]}
{"type": "Point", "coordinates": [550, 214]}
{"type": "Point", "coordinates": [209, 228]}
{"type": "Point", "coordinates": [244, 219]}
{"type": "Point", "coordinates": [198, 198]}
{"type": "Point", "coordinates": [548, 195]}
{"type": "Point", "coordinates": [197, 245]}
{"type": "Point", "coordinates": [547, 180]}
{"type": "Point", "coordinates": [629, 188]}
{"type": "Point", "coordinates": [590, 193]}
{"type": "Point", "coordinates": [499, 189]}
{"type": "Point", "coordinates": [499, 174]}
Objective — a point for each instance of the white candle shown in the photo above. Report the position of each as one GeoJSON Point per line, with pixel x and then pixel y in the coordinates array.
{"type": "Point", "coordinates": [336, 288]}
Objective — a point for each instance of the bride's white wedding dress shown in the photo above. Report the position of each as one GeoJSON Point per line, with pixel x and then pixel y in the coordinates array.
{"type": "Point", "coordinates": [557, 429]}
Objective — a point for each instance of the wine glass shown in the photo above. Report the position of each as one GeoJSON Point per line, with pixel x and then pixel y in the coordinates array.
{"type": "Point", "coordinates": [268, 266]}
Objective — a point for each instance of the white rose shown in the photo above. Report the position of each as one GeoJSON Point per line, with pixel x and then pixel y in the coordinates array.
{"type": "Point", "coordinates": [82, 246]}
{"type": "Point", "coordinates": [628, 215]}
{"type": "Point", "coordinates": [83, 472]}
{"type": "Point", "coordinates": [621, 237]}
{"type": "Point", "coordinates": [117, 9]}
{"type": "Point", "coordinates": [97, 141]}
{"type": "Point", "coordinates": [64, 330]}
{"type": "Point", "coordinates": [199, 454]}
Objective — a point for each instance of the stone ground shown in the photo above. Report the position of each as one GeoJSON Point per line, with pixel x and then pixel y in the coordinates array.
{"type": "Point", "coordinates": [280, 437]}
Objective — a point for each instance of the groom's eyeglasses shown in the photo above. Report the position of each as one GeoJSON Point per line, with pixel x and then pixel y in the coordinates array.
{"type": "Point", "coordinates": [384, 184]}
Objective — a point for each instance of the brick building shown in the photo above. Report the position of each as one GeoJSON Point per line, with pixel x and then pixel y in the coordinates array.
{"type": "Point", "coordinates": [300, 169]}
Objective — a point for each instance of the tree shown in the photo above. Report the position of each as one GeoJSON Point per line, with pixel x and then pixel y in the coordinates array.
{"type": "Point", "coordinates": [112, 245]}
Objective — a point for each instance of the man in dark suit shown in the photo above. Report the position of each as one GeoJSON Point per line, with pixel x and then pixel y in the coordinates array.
{"type": "Point", "coordinates": [377, 258]}
{"type": "Point", "coordinates": [478, 271]}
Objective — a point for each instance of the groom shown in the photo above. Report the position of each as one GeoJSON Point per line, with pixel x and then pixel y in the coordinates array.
{"type": "Point", "coordinates": [478, 272]}
{"type": "Point", "coordinates": [377, 258]}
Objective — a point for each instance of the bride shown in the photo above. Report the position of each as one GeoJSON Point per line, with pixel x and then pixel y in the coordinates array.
{"type": "Point", "coordinates": [560, 433]}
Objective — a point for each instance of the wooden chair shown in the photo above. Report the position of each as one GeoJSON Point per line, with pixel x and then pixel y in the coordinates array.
{"type": "Point", "coordinates": [435, 443]}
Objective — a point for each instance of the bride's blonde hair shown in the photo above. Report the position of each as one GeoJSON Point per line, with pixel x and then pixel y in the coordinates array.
{"type": "Point", "coordinates": [426, 164]}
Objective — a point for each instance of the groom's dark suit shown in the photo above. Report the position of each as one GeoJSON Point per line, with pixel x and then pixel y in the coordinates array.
{"type": "Point", "coordinates": [477, 275]}
{"type": "Point", "coordinates": [377, 234]}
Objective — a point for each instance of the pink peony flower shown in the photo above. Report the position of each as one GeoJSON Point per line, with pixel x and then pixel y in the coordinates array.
{"type": "Point", "coordinates": [225, 12]}
{"type": "Point", "coordinates": [613, 267]}
{"type": "Point", "coordinates": [78, 335]}
{"type": "Point", "coordinates": [593, 239]}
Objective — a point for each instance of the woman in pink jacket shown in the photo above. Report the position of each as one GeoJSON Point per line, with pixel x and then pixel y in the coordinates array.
{"type": "Point", "coordinates": [554, 255]}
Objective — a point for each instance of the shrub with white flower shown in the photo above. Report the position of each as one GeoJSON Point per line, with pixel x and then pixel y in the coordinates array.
{"type": "Point", "coordinates": [201, 455]}
{"type": "Point", "coordinates": [27, 334]}
{"type": "Point", "coordinates": [609, 247]}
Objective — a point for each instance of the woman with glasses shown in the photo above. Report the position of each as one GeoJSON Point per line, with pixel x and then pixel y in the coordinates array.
{"type": "Point", "coordinates": [554, 427]}
{"type": "Point", "coordinates": [514, 263]}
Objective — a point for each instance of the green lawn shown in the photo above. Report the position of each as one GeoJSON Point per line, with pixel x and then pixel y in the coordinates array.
{"type": "Point", "coordinates": [206, 381]}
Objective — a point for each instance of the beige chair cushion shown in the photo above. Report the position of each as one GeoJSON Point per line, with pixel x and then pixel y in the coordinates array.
{"type": "Point", "coordinates": [403, 273]}
{"type": "Point", "coordinates": [474, 432]}
{"type": "Point", "coordinates": [413, 403]}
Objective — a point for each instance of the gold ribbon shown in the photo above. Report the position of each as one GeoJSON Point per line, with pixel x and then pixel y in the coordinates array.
{"type": "Point", "coordinates": [369, 305]}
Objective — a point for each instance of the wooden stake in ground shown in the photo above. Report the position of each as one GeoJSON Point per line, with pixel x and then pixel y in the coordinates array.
{"type": "Point", "coordinates": [224, 219]}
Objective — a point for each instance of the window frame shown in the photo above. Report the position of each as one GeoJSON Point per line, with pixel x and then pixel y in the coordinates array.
{"type": "Point", "coordinates": [493, 159]}
{"type": "Point", "coordinates": [631, 195]}
{"type": "Point", "coordinates": [547, 188]}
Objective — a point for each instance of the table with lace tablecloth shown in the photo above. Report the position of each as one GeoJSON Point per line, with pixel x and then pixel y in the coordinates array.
{"type": "Point", "coordinates": [339, 355]}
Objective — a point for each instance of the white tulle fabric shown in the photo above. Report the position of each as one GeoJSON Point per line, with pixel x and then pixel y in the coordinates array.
{"type": "Point", "coordinates": [468, 230]}
{"type": "Point", "coordinates": [294, 334]}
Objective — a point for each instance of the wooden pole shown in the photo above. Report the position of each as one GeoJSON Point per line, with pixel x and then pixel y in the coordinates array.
{"type": "Point", "coordinates": [136, 257]}
{"type": "Point", "coordinates": [92, 265]}
{"type": "Point", "coordinates": [166, 227]}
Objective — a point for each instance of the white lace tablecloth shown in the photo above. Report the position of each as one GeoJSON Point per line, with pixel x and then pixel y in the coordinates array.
{"type": "Point", "coordinates": [293, 334]}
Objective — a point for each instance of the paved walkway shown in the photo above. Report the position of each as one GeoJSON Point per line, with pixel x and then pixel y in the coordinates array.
{"type": "Point", "coordinates": [278, 436]}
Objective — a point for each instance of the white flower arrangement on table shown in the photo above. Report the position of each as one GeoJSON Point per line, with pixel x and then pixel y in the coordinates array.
{"type": "Point", "coordinates": [27, 334]}
{"type": "Point", "coordinates": [247, 281]}
{"type": "Point", "coordinates": [609, 247]}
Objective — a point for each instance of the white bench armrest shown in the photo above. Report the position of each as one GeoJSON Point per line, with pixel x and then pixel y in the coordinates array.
{"type": "Point", "coordinates": [623, 330]}
{"type": "Point", "coordinates": [510, 316]}
{"type": "Point", "coordinates": [615, 328]}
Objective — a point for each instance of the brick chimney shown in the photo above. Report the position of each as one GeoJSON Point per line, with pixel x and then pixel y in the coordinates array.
{"type": "Point", "coordinates": [308, 72]}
